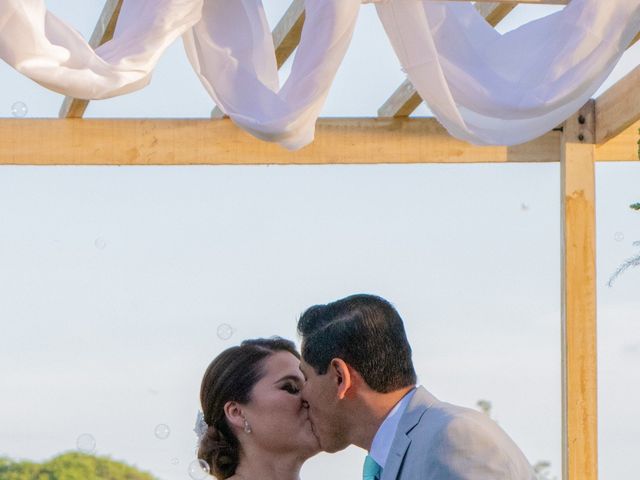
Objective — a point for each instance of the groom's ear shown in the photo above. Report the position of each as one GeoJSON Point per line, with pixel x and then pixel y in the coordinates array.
{"type": "Point", "coordinates": [342, 377]}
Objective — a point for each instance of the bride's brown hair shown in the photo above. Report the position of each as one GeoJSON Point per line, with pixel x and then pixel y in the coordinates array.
{"type": "Point", "coordinates": [231, 377]}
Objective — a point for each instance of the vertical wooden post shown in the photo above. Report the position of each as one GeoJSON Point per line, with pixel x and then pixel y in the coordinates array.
{"type": "Point", "coordinates": [579, 363]}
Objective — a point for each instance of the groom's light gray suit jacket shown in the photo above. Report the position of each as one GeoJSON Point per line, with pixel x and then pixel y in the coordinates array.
{"type": "Point", "coordinates": [439, 441]}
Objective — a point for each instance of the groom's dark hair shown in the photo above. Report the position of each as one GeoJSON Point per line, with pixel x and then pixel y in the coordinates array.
{"type": "Point", "coordinates": [366, 332]}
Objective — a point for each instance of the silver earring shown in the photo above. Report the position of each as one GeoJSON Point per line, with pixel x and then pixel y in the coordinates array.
{"type": "Point", "coordinates": [247, 427]}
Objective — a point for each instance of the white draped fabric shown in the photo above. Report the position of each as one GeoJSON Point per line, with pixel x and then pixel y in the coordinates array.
{"type": "Point", "coordinates": [488, 88]}
{"type": "Point", "coordinates": [484, 87]}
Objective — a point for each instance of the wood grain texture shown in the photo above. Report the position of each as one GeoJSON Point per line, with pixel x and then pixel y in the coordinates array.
{"type": "Point", "coordinates": [579, 349]}
{"type": "Point", "coordinates": [621, 148]}
{"type": "Point", "coordinates": [220, 142]}
{"type": "Point", "coordinates": [618, 107]}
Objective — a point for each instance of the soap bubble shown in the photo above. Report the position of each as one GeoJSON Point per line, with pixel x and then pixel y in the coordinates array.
{"type": "Point", "coordinates": [162, 431]}
{"type": "Point", "coordinates": [199, 469]}
{"type": "Point", "coordinates": [19, 109]}
{"type": "Point", "coordinates": [100, 243]}
{"type": "Point", "coordinates": [175, 461]}
{"type": "Point", "coordinates": [86, 443]}
{"type": "Point", "coordinates": [225, 331]}
{"type": "Point", "coordinates": [619, 236]}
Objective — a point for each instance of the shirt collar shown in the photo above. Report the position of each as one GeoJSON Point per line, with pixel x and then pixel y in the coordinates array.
{"type": "Point", "coordinates": [381, 445]}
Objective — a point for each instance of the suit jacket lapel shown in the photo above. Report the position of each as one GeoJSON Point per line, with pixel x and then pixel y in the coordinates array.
{"type": "Point", "coordinates": [419, 404]}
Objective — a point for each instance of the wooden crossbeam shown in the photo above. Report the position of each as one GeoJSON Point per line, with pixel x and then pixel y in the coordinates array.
{"type": "Point", "coordinates": [286, 38]}
{"type": "Point", "coordinates": [406, 99]}
{"type": "Point", "coordinates": [220, 142]}
{"type": "Point", "coordinates": [618, 107]}
{"type": "Point", "coordinates": [73, 107]}
{"type": "Point", "coordinates": [286, 35]}
{"type": "Point", "coordinates": [621, 148]}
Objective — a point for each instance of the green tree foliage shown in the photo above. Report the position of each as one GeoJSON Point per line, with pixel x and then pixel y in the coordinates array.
{"type": "Point", "coordinates": [629, 262]}
{"type": "Point", "coordinates": [71, 466]}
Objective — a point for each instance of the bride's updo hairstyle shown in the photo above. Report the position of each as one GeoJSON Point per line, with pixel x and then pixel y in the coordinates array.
{"type": "Point", "coordinates": [231, 377]}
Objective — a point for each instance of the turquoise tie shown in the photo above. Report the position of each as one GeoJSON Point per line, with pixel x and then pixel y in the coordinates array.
{"type": "Point", "coordinates": [371, 470]}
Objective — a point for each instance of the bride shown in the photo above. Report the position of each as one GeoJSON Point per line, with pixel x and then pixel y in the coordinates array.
{"type": "Point", "coordinates": [255, 425]}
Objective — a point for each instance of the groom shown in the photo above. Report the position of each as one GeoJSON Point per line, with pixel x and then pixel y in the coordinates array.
{"type": "Point", "coordinates": [361, 390]}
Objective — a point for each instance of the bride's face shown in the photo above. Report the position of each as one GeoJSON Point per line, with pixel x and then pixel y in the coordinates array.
{"type": "Point", "coordinates": [278, 417]}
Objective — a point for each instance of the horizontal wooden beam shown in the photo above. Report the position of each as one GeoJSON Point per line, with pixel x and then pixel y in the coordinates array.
{"type": "Point", "coordinates": [106, 26]}
{"type": "Point", "coordinates": [618, 107]}
{"type": "Point", "coordinates": [621, 148]}
{"type": "Point", "coordinates": [220, 142]}
{"type": "Point", "coordinates": [404, 101]}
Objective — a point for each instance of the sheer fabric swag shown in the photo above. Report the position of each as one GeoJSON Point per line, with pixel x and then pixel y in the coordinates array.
{"type": "Point", "coordinates": [484, 87]}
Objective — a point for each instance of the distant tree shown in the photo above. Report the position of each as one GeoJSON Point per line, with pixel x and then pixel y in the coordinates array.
{"type": "Point", "coordinates": [71, 466]}
{"type": "Point", "coordinates": [485, 406]}
{"type": "Point", "coordinates": [630, 262]}
{"type": "Point", "coordinates": [542, 471]}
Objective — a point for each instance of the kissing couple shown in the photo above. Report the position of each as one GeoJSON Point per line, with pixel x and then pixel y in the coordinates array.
{"type": "Point", "coordinates": [267, 408]}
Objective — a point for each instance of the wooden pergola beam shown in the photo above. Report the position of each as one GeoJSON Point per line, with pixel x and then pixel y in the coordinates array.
{"type": "Point", "coordinates": [288, 31]}
{"type": "Point", "coordinates": [404, 101]}
{"type": "Point", "coordinates": [618, 107]}
{"type": "Point", "coordinates": [220, 142]}
{"type": "Point", "coordinates": [621, 148]}
{"type": "Point", "coordinates": [579, 348]}
{"type": "Point", "coordinates": [106, 26]}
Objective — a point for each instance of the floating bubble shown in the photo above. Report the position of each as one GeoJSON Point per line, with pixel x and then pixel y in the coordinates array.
{"type": "Point", "coordinates": [225, 331]}
{"type": "Point", "coordinates": [19, 109]}
{"type": "Point", "coordinates": [162, 431]}
{"type": "Point", "coordinates": [100, 243]}
{"type": "Point", "coordinates": [86, 443]}
{"type": "Point", "coordinates": [619, 236]}
{"type": "Point", "coordinates": [199, 469]}
{"type": "Point", "coordinates": [175, 461]}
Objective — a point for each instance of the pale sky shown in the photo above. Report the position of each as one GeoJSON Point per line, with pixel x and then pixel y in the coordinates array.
{"type": "Point", "coordinates": [113, 281]}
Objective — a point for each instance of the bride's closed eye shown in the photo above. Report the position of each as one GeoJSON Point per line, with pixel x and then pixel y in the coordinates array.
{"type": "Point", "coordinates": [291, 388]}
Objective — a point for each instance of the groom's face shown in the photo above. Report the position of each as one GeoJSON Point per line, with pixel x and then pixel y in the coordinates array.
{"type": "Point", "coordinates": [321, 394]}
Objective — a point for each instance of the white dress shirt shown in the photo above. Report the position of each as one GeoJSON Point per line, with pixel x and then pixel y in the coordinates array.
{"type": "Point", "coordinates": [383, 439]}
